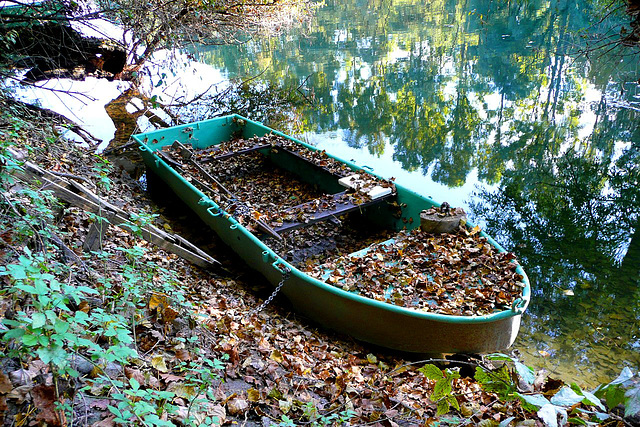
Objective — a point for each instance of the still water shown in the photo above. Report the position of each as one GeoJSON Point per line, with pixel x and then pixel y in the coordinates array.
{"type": "Point", "coordinates": [497, 107]}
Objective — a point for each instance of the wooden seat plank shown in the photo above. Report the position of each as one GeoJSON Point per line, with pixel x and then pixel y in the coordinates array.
{"type": "Point", "coordinates": [233, 153]}
{"type": "Point", "coordinates": [342, 208]}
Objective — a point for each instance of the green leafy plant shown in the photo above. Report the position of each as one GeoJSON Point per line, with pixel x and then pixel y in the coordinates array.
{"type": "Point", "coordinates": [624, 390]}
{"type": "Point", "coordinates": [101, 169]}
{"type": "Point", "coordinates": [47, 326]}
{"type": "Point", "coordinates": [143, 405]}
{"type": "Point", "coordinates": [443, 390]}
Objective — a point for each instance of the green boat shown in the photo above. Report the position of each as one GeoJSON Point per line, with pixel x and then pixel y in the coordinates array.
{"type": "Point", "coordinates": [331, 296]}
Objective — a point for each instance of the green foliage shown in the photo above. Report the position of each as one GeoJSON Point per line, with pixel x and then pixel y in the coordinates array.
{"type": "Point", "coordinates": [314, 418]}
{"type": "Point", "coordinates": [499, 381]}
{"type": "Point", "coordinates": [443, 388]}
{"type": "Point", "coordinates": [101, 169]}
{"type": "Point", "coordinates": [138, 221]}
{"type": "Point", "coordinates": [48, 323]}
{"type": "Point", "coordinates": [623, 390]}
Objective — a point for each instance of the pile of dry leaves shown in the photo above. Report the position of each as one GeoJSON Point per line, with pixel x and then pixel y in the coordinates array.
{"type": "Point", "coordinates": [458, 274]}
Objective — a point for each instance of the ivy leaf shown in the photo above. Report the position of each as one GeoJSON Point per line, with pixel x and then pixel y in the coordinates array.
{"type": "Point", "coordinates": [431, 371]}
{"type": "Point", "coordinates": [525, 372]}
{"type": "Point", "coordinates": [533, 402]}
{"type": "Point", "coordinates": [632, 404]}
{"type": "Point", "coordinates": [453, 402]}
{"type": "Point", "coordinates": [566, 397]}
{"type": "Point", "coordinates": [441, 389]}
{"type": "Point", "coordinates": [13, 333]}
{"type": "Point", "coordinates": [61, 326]}
{"type": "Point", "coordinates": [30, 340]}
{"type": "Point", "coordinates": [497, 381]}
{"type": "Point", "coordinates": [442, 407]}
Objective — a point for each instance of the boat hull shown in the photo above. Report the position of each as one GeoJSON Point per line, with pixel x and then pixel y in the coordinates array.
{"type": "Point", "coordinates": [365, 319]}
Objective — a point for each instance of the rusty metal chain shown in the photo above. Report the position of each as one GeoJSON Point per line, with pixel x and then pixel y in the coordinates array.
{"type": "Point", "coordinates": [286, 273]}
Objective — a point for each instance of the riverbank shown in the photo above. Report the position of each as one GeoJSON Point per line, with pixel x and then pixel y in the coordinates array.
{"type": "Point", "coordinates": [130, 333]}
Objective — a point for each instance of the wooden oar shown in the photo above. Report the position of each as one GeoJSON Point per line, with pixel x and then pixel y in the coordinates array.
{"type": "Point", "coordinates": [187, 155]}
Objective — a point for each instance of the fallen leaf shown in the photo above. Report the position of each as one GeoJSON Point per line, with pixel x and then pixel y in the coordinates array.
{"type": "Point", "coordinates": [107, 422]}
{"type": "Point", "coordinates": [157, 301]}
{"type": "Point", "coordinates": [159, 363]}
{"type": "Point", "coordinates": [135, 374]}
{"type": "Point", "coordinates": [182, 354]}
{"type": "Point", "coordinates": [168, 378]}
{"type": "Point", "coordinates": [169, 315]}
{"type": "Point", "coordinates": [219, 413]}
{"type": "Point", "coordinates": [181, 390]}
{"type": "Point", "coordinates": [276, 356]}
{"type": "Point", "coordinates": [5, 384]}
{"type": "Point", "coordinates": [44, 398]}
{"type": "Point", "coordinates": [19, 393]}
{"type": "Point", "coordinates": [253, 395]}
{"type": "Point", "coordinates": [237, 406]}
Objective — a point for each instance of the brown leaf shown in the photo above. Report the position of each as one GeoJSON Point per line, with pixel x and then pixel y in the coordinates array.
{"type": "Point", "coordinates": [187, 392]}
{"type": "Point", "coordinates": [169, 315]}
{"type": "Point", "coordinates": [135, 374]}
{"type": "Point", "coordinates": [168, 378]}
{"type": "Point", "coordinates": [19, 393]}
{"type": "Point", "coordinates": [107, 422]}
{"type": "Point", "coordinates": [237, 406]}
{"type": "Point", "coordinates": [5, 384]}
{"type": "Point", "coordinates": [99, 404]}
{"type": "Point", "coordinates": [44, 398]}
{"type": "Point", "coordinates": [182, 354]}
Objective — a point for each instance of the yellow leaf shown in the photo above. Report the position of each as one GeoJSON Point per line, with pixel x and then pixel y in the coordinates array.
{"type": "Point", "coordinates": [184, 391]}
{"type": "Point", "coordinates": [159, 363]}
{"type": "Point", "coordinates": [253, 395]}
{"type": "Point", "coordinates": [372, 358]}
{"type": "Point", "coordinates": [276, 356]}
{"type": "Point", "coordinates": [156, 301]}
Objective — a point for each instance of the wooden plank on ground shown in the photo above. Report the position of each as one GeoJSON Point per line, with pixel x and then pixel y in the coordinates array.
{"type": "Point", "coordinates": [91, 202]}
